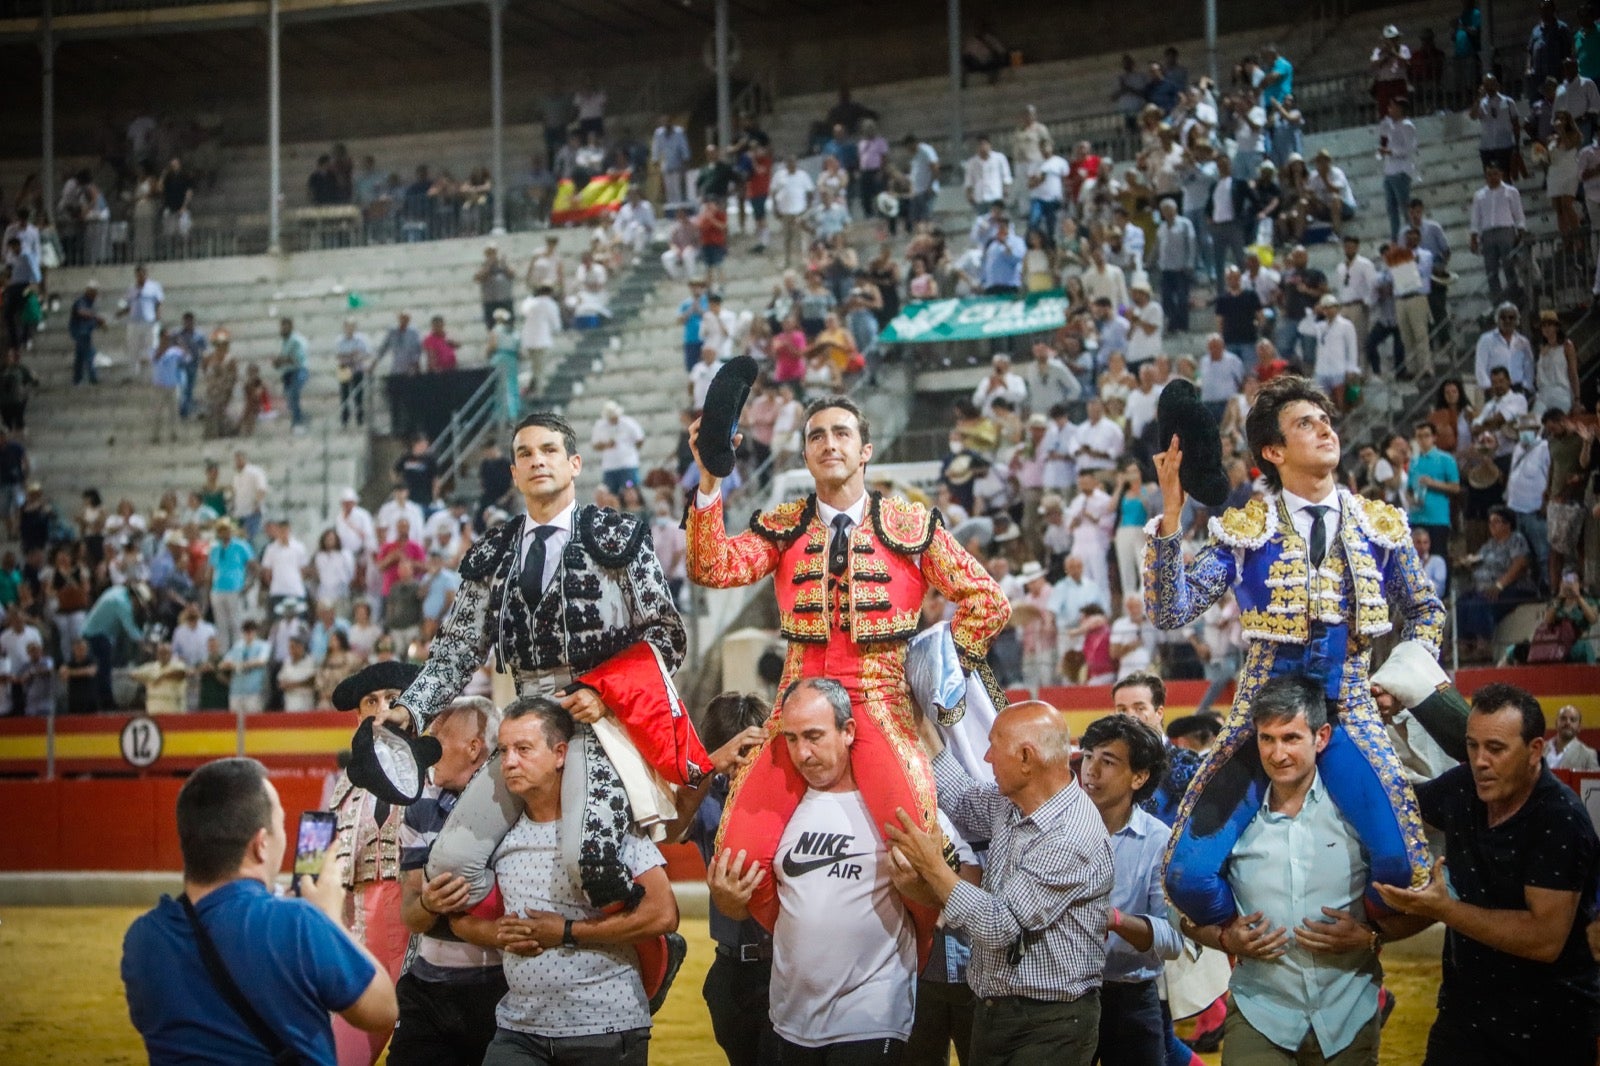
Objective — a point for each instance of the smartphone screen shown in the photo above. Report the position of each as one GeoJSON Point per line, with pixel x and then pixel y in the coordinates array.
{"type": "Point", "coordinates": [316, 833]}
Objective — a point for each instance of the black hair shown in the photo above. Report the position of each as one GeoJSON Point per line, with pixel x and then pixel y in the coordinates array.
{"type": "Point", "coordinates": [553, 422]}
{"type": "Point", "coordinates": [557, 724]}
{"type": "Point", "coordinates": [1157, 687]}
{"type": "Point", "coordinates": [221, 808]}
{"type": "Point", "coordinates": [1147, 751]}
{"type": "Point", "coordinates": [1261, 426]}
{"type": "Point", "coordinates": [729, 714]}
{"type": "Point", "coordinates": [843, 403]}
{"type": "Point", "coordinates": [1288, 695]}
{"type": "Point", "coordinates": [1496, 697]}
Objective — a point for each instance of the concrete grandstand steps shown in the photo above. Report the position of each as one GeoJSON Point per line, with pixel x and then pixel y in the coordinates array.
{"type": "Point", "coordinates": [1067, 89]}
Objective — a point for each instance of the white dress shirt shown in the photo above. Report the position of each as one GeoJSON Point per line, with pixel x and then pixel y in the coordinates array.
{"type": "Point", "coordinates": [1338, 351]}
{"type": "Point", "coordinates": [1514, 353]}
{"type": "Point", "coordinates": [1355, 279]}
{"type": "Point", "coordinates": [1302, 519]}
{"type": "Point", "coordinates": [1497, 208]}
{"type": "Point", "coordinates": [856, 511]}
{"type": "Point", "coordinates": [988, 179]}
{"type": "Point", "coordinates": [1402, 143]}
{"type": "Point", "coordinates": [554, 544]}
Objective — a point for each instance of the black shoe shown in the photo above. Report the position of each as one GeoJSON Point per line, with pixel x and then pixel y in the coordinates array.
{"type": "Point", "coordinates": [677, 949]}
{"type": "Point", "coordinates": [1386, 1008]}
{"type": "Point", "coordinates": [1207, 1042]}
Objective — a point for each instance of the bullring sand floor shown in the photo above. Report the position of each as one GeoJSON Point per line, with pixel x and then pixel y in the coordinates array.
{"type": "Point", "coordinates": [61, 995]}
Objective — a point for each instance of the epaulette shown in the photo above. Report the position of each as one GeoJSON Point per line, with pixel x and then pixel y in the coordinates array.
{"type": "Point", "coordinates": [1384, 523]}
{"type": "Point", "coordinates": [785, 522]}
{"type": "Point", "coordinates": [1249, 526]}
{"type": "Point", "coordinates": [481, 559]}
{"type": "Point", "coordinates": [904, 527]}
{"type": "Point", "coordinates": [611, 537]}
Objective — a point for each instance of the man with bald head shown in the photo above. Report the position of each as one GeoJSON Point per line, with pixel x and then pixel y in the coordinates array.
{"type": "Point", "coordinates": [1038, 922]}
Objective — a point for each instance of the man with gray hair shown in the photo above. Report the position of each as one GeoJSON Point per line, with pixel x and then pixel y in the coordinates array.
{"type": "Point", "coordinates": [834, 888]}
{"type": "Point", "coordinates": [449, 993]}
{"type": "Point", "coordinates": [1038, 922]}
{"type": "Point", "coordinates": [573, 970]}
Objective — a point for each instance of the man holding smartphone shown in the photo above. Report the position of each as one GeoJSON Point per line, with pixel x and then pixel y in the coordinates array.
{"type": "Point", "coordinates": [299, 962]}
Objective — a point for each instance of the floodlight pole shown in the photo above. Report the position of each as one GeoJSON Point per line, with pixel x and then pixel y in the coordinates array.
{"type": "Point", "coordinates": [274, 132]}
{"type": "Point", "coordinates": [724, 92]}
{"type": "Point", "coordinates": [47, 163]}
{"type": "Point", "coordinates": [1211, 41]}
{"type": "Point", "coordinates": [953, 31]}
{"type": "Point", "coordinates": [497, 110]}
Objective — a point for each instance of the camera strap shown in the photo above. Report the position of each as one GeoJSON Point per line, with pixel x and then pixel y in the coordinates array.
{"type": "Point", "coordinates": [282, 1054]}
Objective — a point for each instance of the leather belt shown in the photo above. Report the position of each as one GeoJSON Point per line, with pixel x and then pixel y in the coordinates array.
{"type": "Point", "coordinates": [746, 952]}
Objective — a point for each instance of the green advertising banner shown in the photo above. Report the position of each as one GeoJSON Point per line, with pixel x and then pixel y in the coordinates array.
{"type": "Point", "coordinates": [976, 317]}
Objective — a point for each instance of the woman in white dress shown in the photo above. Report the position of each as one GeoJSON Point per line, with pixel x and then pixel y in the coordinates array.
{"type": "Point", "coordinates": [1561, 176]}
{"type": "Point", "coordinates": [1555, 372]}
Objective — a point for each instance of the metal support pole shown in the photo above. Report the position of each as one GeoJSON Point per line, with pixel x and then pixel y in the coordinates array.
{"type": "Point", "coordinates": [497, 110]}
{"type": "Point", "coordinates": [274, 133]}
{"type": "Point", "coordinates": [1486, 38]}
{"type": "Point", "coordinates": [47, 165]}
{"type": "Point", "coordinates": [724, 100]}
{"type": "Point", "coordinates": [952, 155]}
{"type": "Point", "coordinates": [1211, 41]}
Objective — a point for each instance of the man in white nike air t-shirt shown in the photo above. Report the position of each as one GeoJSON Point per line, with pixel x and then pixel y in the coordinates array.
{"type": "Point", "coordinates": [844, 954]}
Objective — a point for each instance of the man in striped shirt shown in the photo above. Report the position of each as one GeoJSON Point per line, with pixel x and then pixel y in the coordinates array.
{"type": "Point", "coordinates": [1038, 923]}
{"type": "Point", "coordinates": [448, 996]}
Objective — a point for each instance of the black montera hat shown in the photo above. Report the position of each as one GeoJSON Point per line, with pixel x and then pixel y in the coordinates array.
{"type": "Point", "coordinates": [1179, 413]}
{"type": "Point", "coordinates": [375, 678]}
{"type": "Point", "coordinates": [720, 421]}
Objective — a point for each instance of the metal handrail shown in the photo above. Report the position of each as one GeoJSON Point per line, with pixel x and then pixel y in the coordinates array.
{"type": "Point", "coordinates": [469, 422]}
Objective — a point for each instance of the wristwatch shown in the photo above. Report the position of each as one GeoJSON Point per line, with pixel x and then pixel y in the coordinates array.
{"type": "Point", "coordinates": [567, 940]}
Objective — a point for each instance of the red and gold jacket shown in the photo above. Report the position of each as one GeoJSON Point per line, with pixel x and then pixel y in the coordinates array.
{"type": "Point", "coordinates": [898, 551]}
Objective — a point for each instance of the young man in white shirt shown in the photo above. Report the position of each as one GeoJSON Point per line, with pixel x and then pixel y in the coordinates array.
{"type": "Point", "coordinates": [1397, 144]}
{"type": "Point", "coordinates": [1495, 228]}
{"type": "Point", "coordinates": [988, 176]}
{"type": "Point", "coordinates": [1146, 324]}
{"type": "Point", "coordinates": [1338, 354]}
{"type": "Point", "coordinates": [830, 1005]}
{"type": "Point", "coordinates": [1046, 191]}
{"type": "Point", "coordinates": [790, 195]}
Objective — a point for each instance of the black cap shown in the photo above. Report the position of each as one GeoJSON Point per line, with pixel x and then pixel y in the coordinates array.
{"type": "Point", "coordinates": [374, 678]}
{"type": "Point", "coordinates": [1179, 413]}
{"type": "Point", "coordinates": [389, 764]}
{"type": "Point", "coordinates": [720, 421]}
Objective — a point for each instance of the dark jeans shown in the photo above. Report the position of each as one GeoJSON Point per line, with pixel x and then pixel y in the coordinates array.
{"type": "Point", "coordinates": [869, 183]}
{"type": "Point", "coordinates": [1016, 1031]}
{"type": "Point", "coordinates": [1175, 299]}
{"type": "Point", "coordinates": [631, 1047]}
{"type": "Point", "coordinates": [491, 306]}
{"type": "Point", "coordinates": [14, 416]}
{"type": "Point", "coordinates": [881, 1052]}
{"type": "Point", "coordinates": [445, 1023]}
{"type": "Point", "coordinates": [83, 360]}
{"type": "Point", "coordinates": [1131, 1030]}
{"type": "Point", "coordinates": [691, 354]}
{"type": "Point", "coordinates": [1375, 337]}
{"type": "Point", "coordinates": [944, 1017]}
{"type": "Point", "coordinates": [105, 657]}
{"type": "Point", "coordinates": [351, 400]}
{"type": "Point", "coordinates": [1227, 245]}
{"type": "Point", "coordinates": [736, 997]}
{"type": "Point", "coordinates": [17, 331]}
{"type": "Point", "coordinates": [616, 479]}
{"type": "Point", "coordinates": [1042, 216]}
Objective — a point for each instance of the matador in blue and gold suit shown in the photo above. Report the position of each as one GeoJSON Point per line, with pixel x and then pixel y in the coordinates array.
{"type": "Point", "coordinates": [1316, 620]}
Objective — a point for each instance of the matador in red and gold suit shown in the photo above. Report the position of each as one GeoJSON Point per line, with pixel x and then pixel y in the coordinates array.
{"type": "Point", "coordinates": [852, 626]}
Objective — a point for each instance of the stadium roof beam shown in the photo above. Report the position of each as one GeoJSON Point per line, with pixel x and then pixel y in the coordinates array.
{"type": "Point", "coordinates": [231, 15]}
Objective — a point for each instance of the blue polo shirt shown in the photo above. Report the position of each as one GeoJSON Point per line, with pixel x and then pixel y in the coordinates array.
{"type": "Point", "coordinates": [295, 964]}
{"type": "Point", "coordinates": [229, 565]}
{"type": "Point", "coordinates": [1431, 507]}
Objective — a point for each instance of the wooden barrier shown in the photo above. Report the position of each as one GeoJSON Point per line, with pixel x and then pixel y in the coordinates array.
{"type": "Point", "coordinates": [101, 813]}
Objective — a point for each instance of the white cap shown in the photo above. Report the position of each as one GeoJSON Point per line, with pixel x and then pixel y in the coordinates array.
{"type": "Point", "coordinates": [348, 496]}
{"type": "Point", "coordinates": [1391, 31]}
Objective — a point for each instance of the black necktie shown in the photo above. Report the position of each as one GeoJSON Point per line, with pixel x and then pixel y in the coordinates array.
{"type": "Point", "coordinates": [532, 577]}
{"type": "Point", "coordinates": [839, 549]}
{"type": "Point", "coordinates": [1319, 533]}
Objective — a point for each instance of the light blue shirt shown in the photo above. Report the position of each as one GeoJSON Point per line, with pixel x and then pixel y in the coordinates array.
{"type": "Point", "coordinates": [168, 370]}
{"type": "Point", "coordinates": [1283, 87]}
{"type": "Point", "coordinates": [112, 616]}
{"type": "Point", "coordinates": [251, 682]}
{"type": "Point", "coordinates": [1136, 853]}
{"type": "Point", "coordinates": [1068, 599]}
{"type": "Point", "coordinates": [1289, 868]}
{"type": "Point", "coordinates": [1002, 262]}
{"type": "Point", "coordinates": [25, 268]}
{"type": "Point", "coordinates": [229, 565]}
{"type": "Point", "coordinates": [1432, 506]}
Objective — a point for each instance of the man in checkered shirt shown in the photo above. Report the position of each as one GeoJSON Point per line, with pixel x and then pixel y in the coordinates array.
{"type": "Point", "coordinates": [1038, 923]}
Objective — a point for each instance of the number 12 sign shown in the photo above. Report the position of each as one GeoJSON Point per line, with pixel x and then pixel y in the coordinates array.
{"type": "Point", "coordinates": [141, 741]}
